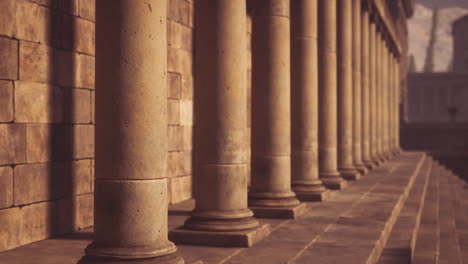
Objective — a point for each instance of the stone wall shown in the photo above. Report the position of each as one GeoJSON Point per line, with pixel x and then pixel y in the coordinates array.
{"type": "Point", "coordinates": [47, 115]}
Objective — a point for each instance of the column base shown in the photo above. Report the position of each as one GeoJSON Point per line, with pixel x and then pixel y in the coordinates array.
{"type": "Point", "coordinates": [167, 259]}
{"type": "Point", "coordinates": [369, 164]}
{"type": "Point", "coordinates": [244, 238]}
{"type": "Point", "coordinates": [312, 191]}
{"type": "Point", "coordinates": [350, 174]}
{"type": "Point", "coordinates": [362, 169]}
{"type": "Point", "coordinates": [279, 212]}
{"type": "Point", "coordinates": [333, 180]}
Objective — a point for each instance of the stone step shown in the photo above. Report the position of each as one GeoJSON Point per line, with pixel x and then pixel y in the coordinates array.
{"type": "Point", "coordinates": [400, 246]}
{"type": "Point", "coordinates": [449, 250]}
{"type": "Point", "coordinates": [427, 243]}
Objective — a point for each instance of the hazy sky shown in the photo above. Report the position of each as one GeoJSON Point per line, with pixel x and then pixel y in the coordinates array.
{"type": "Point", "coordinates": [444, 3]}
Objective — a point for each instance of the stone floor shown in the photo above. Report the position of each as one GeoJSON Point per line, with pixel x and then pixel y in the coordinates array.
{"type": "Point", "coordinates": [409, 208]}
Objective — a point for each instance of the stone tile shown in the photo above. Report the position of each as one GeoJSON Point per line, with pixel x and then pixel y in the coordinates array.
{"type": "Point", "coordinates": [174, 85]}
{"type": "Point", "coordinates": [35, 62]}
{"type": "Point", "coordinates": [185, 162]}
{"type": "Point", "coordinates": [39, 182]}
{"type": "Point", "coordinates": [7, 17]}
{"type": "Point", "coordinates": [10, 228]}
{"type": "Point", "coordinates": [181, 188]}
{"type": "Point", "coordinates": [173, 112]}
{"type": "Point", "coordinates": [37, 103]}
{"type": "Point", "coordinates": [87, 9]}
{"type": "Point", "coordinates": [86, 71]}
{"type": "Point", "coordinates": [12, 144]}
{"type": "Point", "coordinates": [6, 187]}
{"type": "Point", "coordinates": [33, 22]}
{"type": "Point", "coordinates": [6, 101]}
{"type": "Point", "coordinates": [84, 36]}
{"type": "Point", "coordinates": [38, 221]}
{"type": "Point", "coordinates": [77, 106]}
{"type": "Point", "coordinates": [9, 59]}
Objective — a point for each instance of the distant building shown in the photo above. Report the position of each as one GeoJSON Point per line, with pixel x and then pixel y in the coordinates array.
{"type": "Point", "coordinates": [460, 49]}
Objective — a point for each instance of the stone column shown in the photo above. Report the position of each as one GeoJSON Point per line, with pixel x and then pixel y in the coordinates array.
{"type": "Point", "coordinates": [365, 77]}
{"type": "Point", "coordinates": [398, 100]}
{"type": "Point", "coordinates": [328, 155]}
{"type": "Point", "coordinates": [221, 216]}
{"type": "Point", "coordinates": [385, 99]}
{"type": "Point", "coordinates": [379, 95]}
{"type": "Point", "coordinates": [270, 194]}
{"type": "Point", "coordinates": [357, 89]}
{"type": "Point", "coordinates": [345, 90]}
{"type": "Point", "coordinates": [130, 198]}
{"type": "Point", "coordinates": [304, 99]}
{"type": "Point", "coordinates": [392, 107]}
{"type": "Point", "coordinates": [373, 90]}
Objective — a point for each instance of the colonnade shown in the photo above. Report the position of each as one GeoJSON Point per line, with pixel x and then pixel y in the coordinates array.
{"type": "Point", "coordinates": [325, 89]}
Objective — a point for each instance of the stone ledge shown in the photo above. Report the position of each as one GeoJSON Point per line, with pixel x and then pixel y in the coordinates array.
{"type": "Point", "coordinates": [292, 212]}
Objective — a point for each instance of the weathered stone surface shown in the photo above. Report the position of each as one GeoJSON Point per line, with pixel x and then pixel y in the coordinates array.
{"type": "Point", "coordinates": [79, 172]}
{"type": "Point", "coordinates": [187, 37]}
{"type": "Point", "coordinates": [174, 85]}
{"type": "Point", "coordinates": [187, 137]}
{"type": "Point", "coordinates": [83, 141]}
{"type": "Point", "coordinates": [172, 112]}
{"type": "Point", "coordinates": [77, 106]}
{"type": "Point", "coordinates": [12, 143]}
{"type": "Point", "coordinates": [174, 138]}
{"type": "Point", "coordinates": [179, 60]}
{"type": "Point", "coordinates": [35, 62]}
{"type": "Point", "coordinates": [7, 19]}
{"type": "Point", "coordinates": [172, 164]}
{"type": "Point", "coordinates": [173, 10]}
{"type": "Point", "coordinates": [6, 101]}
{"type": "Point", "coordinates": [187, 87]}
{"type": "Point", "coordinates": [6, 187]}
{"type": "Point", "coordinates": [174, 34]}
{"type": "Point", "coordinates": [84, 36]}
{"type": "Point", "coordinates": [37, 103]}
{"type": "Point", "coordinates": [185, 10]}
{"type": "Point", "coordinates": [185, 162]}
{"type": "Point", "coordinates": [181, 188]}
{"type": "Point", "coordinates": [39, 182]}
{"type": "Point", "coordinates": [38, 221]}
{"type": "Point", "coordinates": [86, 71]}
{"type": "Point", "coordinates": [66, 68]}
{"type": "Point", "coordinates": [33, 22]}
{"type": "Point", "coordinates": [69, 6]}
{"type": "Point", "coordinates": [10, 228]}
{"type": "Point", "coordinates": [84, 211]}
{"type": "Point", "coordinates": [186, 112]}
{"type": "Point", "coordinates": [9, 58]}
{"type": "Point", "coordinates": [93, 107]}
{"type": "Point", "coordinates": [87, 9]}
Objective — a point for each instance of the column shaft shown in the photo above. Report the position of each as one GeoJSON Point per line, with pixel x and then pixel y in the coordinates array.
{"type": "Point", "coordinates": [379, 94]}
{"type": "Point", "coordinates": [345, 90]}
{"type": "Point", "coordinates": [398, 101]}
{"type": "Point", "coordinates": [373, 91]}
{"type": "Point", "coordinates": [271, 109]}
{"type": "Point", "coordinates": [130, 220]}
{"type": "Point", "coordinates": [357, 88]}
{"type": "Point", "coordinates": [328, 163]}
{"type": "Point", "coordinates": [304, 99]}
{"type": "Point", "coordinates": [220, 135]}
{"type": "Point", "coordinates": [385, 100]}
{"type": "Point", "coordinates": [366, 99]}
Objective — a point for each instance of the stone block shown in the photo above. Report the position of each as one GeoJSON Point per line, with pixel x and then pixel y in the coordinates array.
{"type": "Point", "coordinates": [187, 87]}
{"type": "Point", "coordinates": [174, 83]}
{"type": "Point", "coordinates": [6, 187]}
{"type": "Point", "coordinates": [172, 164]}
{"type": "Point", "coordinates": [174, 138]}
{"type": "Point", "coordinates": [84, 36]}
{"type": "Point", "coordinates": [85, 211]}
{"type": "Point", "coordinates": [186, 112]}
{"type": "Point", "coordinates": [80, 176]}
{"type": "Point", "coordinates": [174, 32]}
{"type": "Point", "coordinates": [173, 60]}
{"type": "Point", "coordinates": [83, 141]}
{"type": "Point", "coordinates": [186, 38]}
{"type": "Point", "coordinates": [70, 7]}
{"type": "Point", "coordinates": [86, 72]}
{"type": "Point", "coordinates": [93, 108]}
{"type": "Point", "coordinates": [33, 22]}
{"type": "Point", "coordinates": [6, 101]}
{"type": "Point", "coordinates": [289, 212]}
{"type": "Point", "coordinates": [245, 238]}
{"type": "Point", "coordinates": [77, 106]}
{"type": "Point", "coordinates": [38, 222]}
{"type": "Point", "coordinates": [35, 62]}
{"type": "Point", "coordinates": [187, 137]}
{"type": "Point", "coordinates": [75, 213]}
{"type": "Point", "coordinates": [39, 146]}
{"type": "Point", "coordinates": [172, 112]}
{"type": "Point", "coordinates": [181, 189]}
{"type": "Point", "coordinates": [39, 182]}
{"type": "Point", "coordinates": [66, 69]}
{"type": "Point", "coordinates": [9, 59]}
{"type": "Point", "coordinates": [185, 161]}
{"type": "Point", "coordinates": [186, 62]}
{"type": "Point", "coordinates": [10, 228]}
{"type": "Point", "coordinates": [7, 18]}
{"type": "Point", "coordinates": [88, 9]}
{"type": "Point", "coordinates": [173, 10]}
{"type": "Point", "coordinates": [12, 144]}
{"type": "Point", "coordinates": [92, 176]}
{"type": "Point", "coordinates": [37, 103]}
{"type": "Point", "coordinates": [184, 12]}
